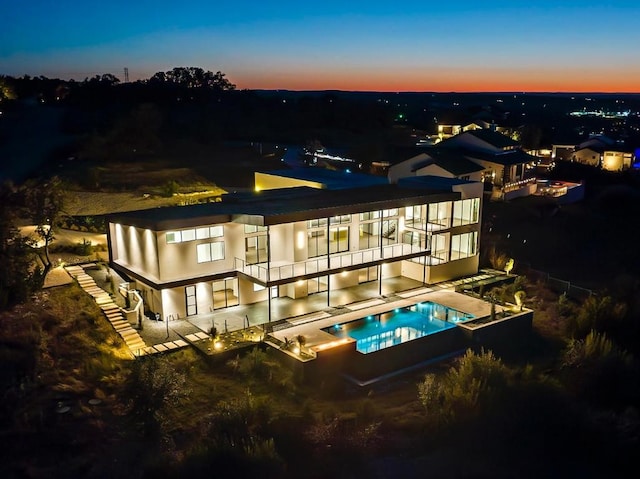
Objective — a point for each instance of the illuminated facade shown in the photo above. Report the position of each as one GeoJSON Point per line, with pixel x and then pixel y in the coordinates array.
{"type": "Point", "coordinates": [337, 230]}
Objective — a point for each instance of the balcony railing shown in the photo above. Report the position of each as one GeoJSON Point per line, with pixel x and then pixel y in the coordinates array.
{"type": "Point", "coordinates": [279, 272]}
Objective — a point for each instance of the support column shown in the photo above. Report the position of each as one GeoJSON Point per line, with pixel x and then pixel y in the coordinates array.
{"type": "Point", "coordinates": [381, 254]}
{"type": "Point", "coordinates": [328, 262]}
{"type": "Point", "coordinates": [269, 272]}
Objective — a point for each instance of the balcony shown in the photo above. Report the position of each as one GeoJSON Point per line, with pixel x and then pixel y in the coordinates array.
{"type": "Point", "coordinates": [279, 271]}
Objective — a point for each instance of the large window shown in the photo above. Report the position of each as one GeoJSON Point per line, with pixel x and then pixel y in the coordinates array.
{"type": "Point", "coordinates": [255, 244]}
{"type": "Point", "coordinates": [372, 231]}
{"type": "Point", "coordinates": [340, 220]}
{"type": "Point", "coordinates": [369, 230]}
{"type": "Point", "coordinates": [210, 232]}
{"type": "Point", "coordinates": [466, 211]}
{"type": "Point", "coordinates": [316, 242]}
{"type": "Point", "coordinates": [369, 215]}
{"type": "Point", "coordinates": [318, 223]}
{"type": "Point", "coordinates": [210, 252]}
{"type": "Point", "coordinates": [248, 229]}
{"type": "Point", "coordinates": [192, 234]}
{"type": "Point", "coordinates": [464, 245]}
{"type": "Point", "coordinates": [415, 238]}
{"type": "Point", "coordinates": [440, 215]}
{"type": "Point", "coordinates": [255, 249]}
{"type": "Point", "coordinates": [338, 239]}
{"type": "Point", "coordinates": [389, 231]}
{"type": "Point", "coordinates": [174, 237]}
{"type": "Point", "coordinates": [414, 216]}
{"type": "Point", "coordinates": [369, 234]}
{"type": "Point", "coordinates": [439, 248]}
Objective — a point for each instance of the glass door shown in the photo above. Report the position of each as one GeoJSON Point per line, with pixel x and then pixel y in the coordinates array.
{"type": "Point", "coordinates": [192, 305]}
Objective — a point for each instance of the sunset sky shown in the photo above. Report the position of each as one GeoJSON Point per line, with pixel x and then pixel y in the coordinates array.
{"type": "Point", "coordinates": [578, 46]}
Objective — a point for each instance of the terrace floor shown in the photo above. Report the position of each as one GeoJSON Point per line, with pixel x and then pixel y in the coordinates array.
{"type": "Point", "coordinates": [314, 335]}
{"type": "Point", "coordinates": [308, 315]}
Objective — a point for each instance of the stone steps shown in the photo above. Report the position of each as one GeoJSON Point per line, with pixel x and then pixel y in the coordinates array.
{"type": "Point", "coordinates": [115, 316]}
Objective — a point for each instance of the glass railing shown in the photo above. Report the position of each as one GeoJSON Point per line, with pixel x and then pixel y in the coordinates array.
{"type": "Point", "coordinates": [318, 265]}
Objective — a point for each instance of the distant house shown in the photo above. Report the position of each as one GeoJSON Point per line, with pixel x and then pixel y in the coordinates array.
{"type": "Point", "coordinates": [437, 162]}
{"type": "Point", "coordinates": [562, 151]}
{"type": "Point", "coordinates": [603, 152]}
{"type": "Point", "coordinates": [502, 158]}
{"type": "Point", "coordinates": [479, 155]}
{"type": "Point", "coordinates": [453, 122]}
{"type": "Point", "coordinates": [598, 151]}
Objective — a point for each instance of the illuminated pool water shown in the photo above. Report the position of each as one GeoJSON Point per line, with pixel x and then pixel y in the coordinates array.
{"type": "Point", "coordinates": [399, 326]}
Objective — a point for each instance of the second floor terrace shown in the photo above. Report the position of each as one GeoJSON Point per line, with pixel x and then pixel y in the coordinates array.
{"type": "Point", "coordinates": [271, 273]}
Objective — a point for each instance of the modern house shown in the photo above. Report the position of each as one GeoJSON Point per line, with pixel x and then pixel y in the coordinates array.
{"type": "Point", "coordinates": [302, 232]}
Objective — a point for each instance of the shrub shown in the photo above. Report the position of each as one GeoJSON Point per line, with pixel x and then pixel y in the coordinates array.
{"type": "Point", "coordinates": [171, 188]}
{"type": "Point", "coordinates": [498, 260]}
{"type": "Point", "coordinates": [254, 363]}
{"type": "Point", "coordinates": [600, 371]}
{"type": "Point", "coordinates": [596, 313]}
{"type": "Point", "coordinates": [475, 382]}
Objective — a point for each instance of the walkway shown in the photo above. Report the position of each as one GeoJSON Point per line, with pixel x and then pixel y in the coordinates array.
{"type": "Point", "coordinates": [116, 314]}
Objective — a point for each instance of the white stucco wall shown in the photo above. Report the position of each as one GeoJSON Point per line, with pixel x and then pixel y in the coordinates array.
{"type": "Point", "coordinates": [404, 168]}
{"type": "Point", "coordinates": [453, 269]}
{"type": "Point", "coordinates": [136, 249]}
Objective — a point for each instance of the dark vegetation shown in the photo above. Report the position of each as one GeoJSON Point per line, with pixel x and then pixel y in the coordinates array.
{"type": "Point", "coordinates": [592, 243]}
{"type": "Point", "coordinates": [565, 403]}
{"type": "Point", "coordinates": [190, 118]}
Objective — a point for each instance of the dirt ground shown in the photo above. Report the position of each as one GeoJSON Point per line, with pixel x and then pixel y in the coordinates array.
{"type": "Point", "coordinates": [81, 203]}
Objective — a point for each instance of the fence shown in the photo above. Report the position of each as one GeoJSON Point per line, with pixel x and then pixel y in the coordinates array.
{"type": "Point", "coordinates": [555, 284]}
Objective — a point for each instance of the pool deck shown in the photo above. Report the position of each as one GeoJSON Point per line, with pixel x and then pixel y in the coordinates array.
{"type": "Point", "coordinates": [315, 336]}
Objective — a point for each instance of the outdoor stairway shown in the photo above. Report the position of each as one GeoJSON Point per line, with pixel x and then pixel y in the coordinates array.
{"type": "Point", "coordinates": [114, 315]}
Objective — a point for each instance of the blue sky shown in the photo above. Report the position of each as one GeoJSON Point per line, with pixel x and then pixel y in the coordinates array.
{"type": "Point", "coordinates": [389, 46]}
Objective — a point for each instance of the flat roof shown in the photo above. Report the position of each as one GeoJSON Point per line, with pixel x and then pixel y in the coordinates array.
{"type": "Point", "coordinates": [286, 205]}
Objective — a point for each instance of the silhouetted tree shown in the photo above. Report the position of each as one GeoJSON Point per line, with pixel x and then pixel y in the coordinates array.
{"type": "Point", "coordinates": [16, 254]}
{"type": "Point", "coordinates": [44, 205]}
{"type": "Point", "coordinates": [193, 77]}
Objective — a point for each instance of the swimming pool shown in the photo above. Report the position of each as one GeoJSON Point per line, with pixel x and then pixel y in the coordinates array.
{"type": "Point", "coordinates": [392, 328]}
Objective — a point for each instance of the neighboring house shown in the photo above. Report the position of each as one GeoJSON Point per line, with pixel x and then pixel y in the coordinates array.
{"type": "Point", "coordinates": [603, 152]}
{"type": "Point", "coordinates": [306, 231]}
{"type": "Point", "coordinates": [453, 122]}
{"type": "Point", "coordinates": [503, 160]}
{"type": "Point", "coordinates": [450, 123]}
{"type": "Point", "coordinates": [562, 151]}
{"type": "Point", "coordinates": [437, 162]}
{"type": "Point", "coordinates": [607, 158]}
{"type": "Point", "coordinates": [598, 151]}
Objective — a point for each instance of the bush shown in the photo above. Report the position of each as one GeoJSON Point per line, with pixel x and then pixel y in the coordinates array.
{"type": "Point", "coordinates": [171, 188]}
{"type": "Point", "coordinates": [601, 314]}
{"type": "Point", "coordinates": [475, 382]}
{"type": "Point", "coordinates": [601, 371]}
